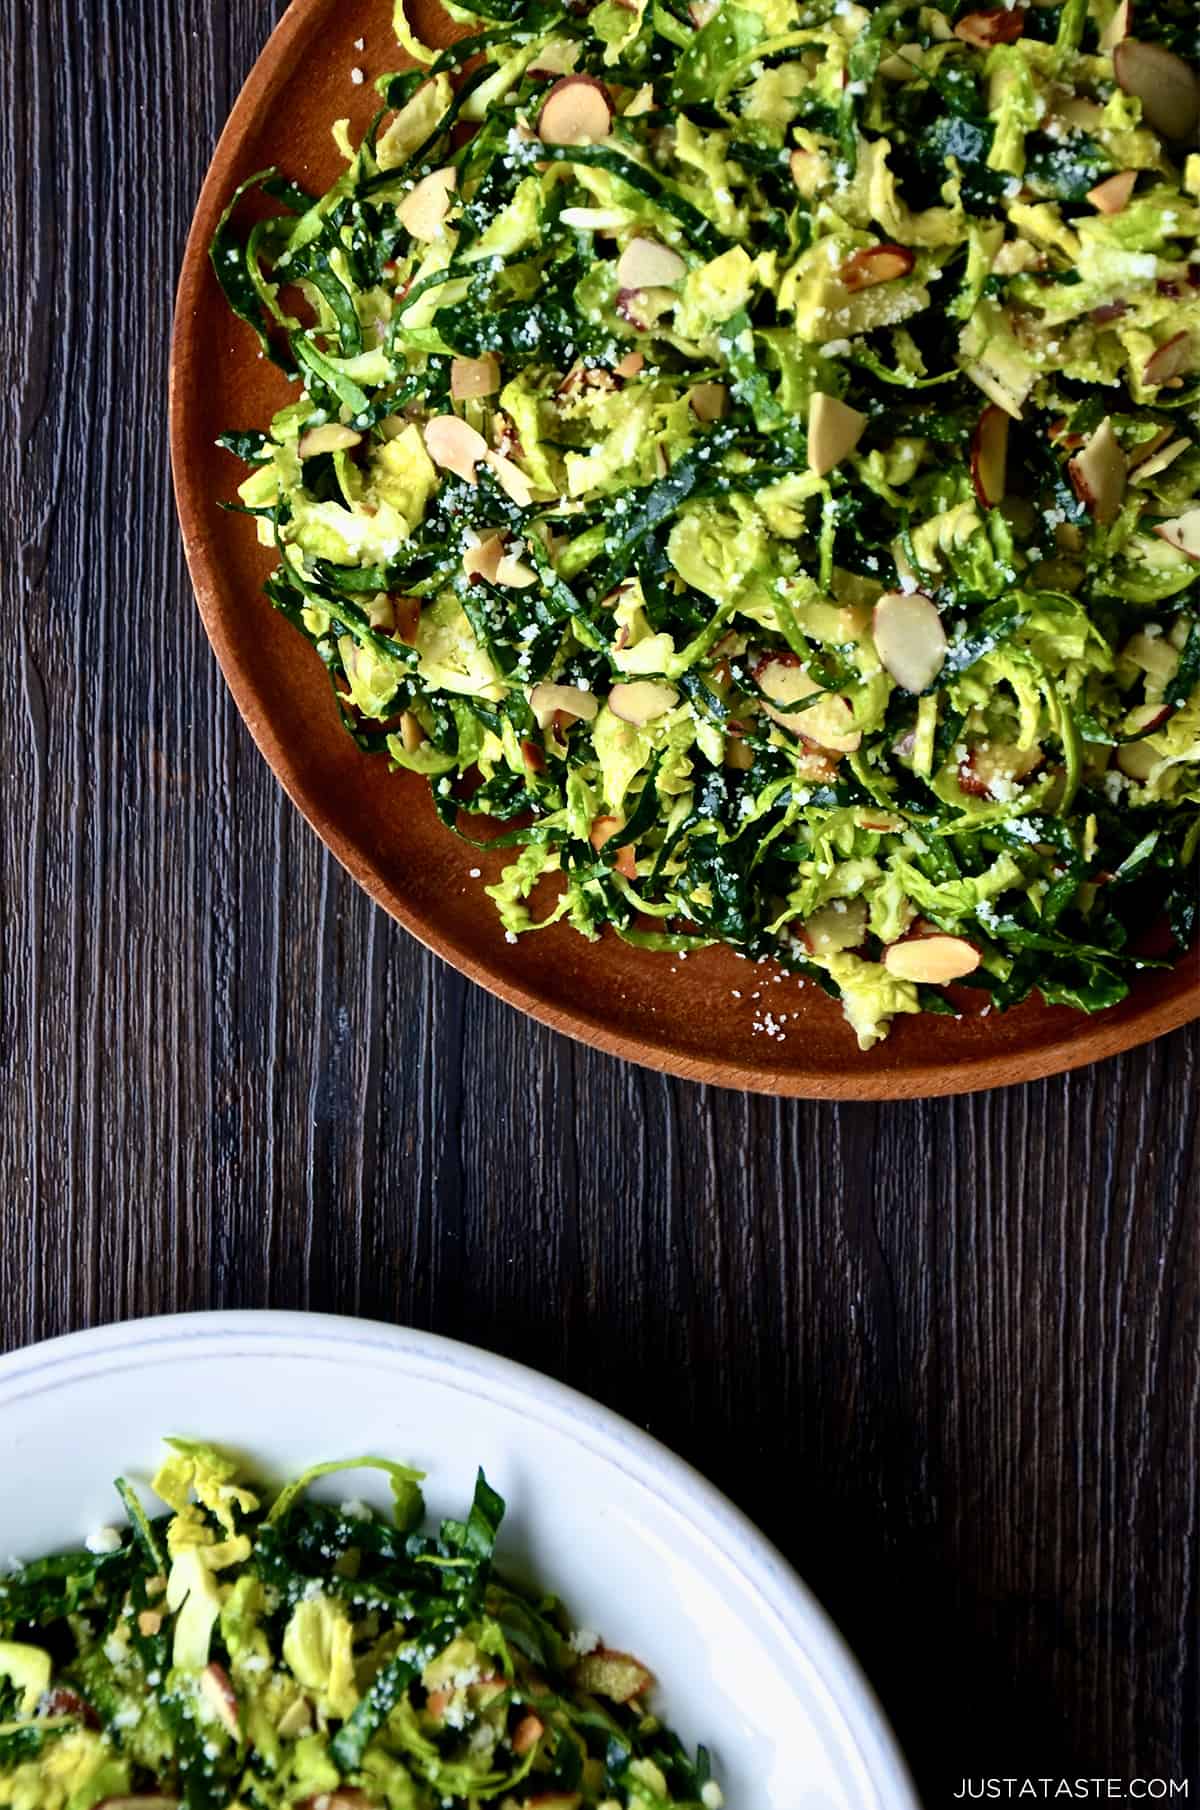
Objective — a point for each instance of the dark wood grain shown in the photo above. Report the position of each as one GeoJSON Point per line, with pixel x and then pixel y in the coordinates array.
{"type": "Point", "coordinates": [948, 1354]}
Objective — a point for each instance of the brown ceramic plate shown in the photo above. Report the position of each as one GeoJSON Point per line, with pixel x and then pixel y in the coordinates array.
{"type": "Point", "coordinates": [702, 1018]}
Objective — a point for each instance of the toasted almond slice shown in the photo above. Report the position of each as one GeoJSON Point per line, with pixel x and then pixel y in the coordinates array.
{"type": "Point", "coordinates": [427, 203]}
{"type": "Point", "coordinates": [989, 457]}
{"type": "Point", "coordinates": [834, 430]}
{"type": "Point", "coordinates": [1158, 461]}
{"type": "Point", "coordinates": [875, 264]}
{"type": "Point", "coordinates": [411, 733]}
{"type": "Point", "coordinates": [987, 772]}
{"type": "Point", "coordinates": [1116, 29]}
{"type": "Point", "coordinates": [1112, 195]}
{"type": "Point", "coordinates": [1182, 532]}
{"type": "Point", "coordinates": [1170, 360]}
{"type": "Point", "coordinates": [406, 618]}
{"type": "Point", "coordinates": [642, 701]}
{"type": "Point", "coordinates": [1098, 473]}
{"type": "Point", "coordinates": [219, 1695]}
{"type": "Point", "coordinates": [511, 479]}
{"type": "Point", "coordinates": [709, 401]}
{"type": "Point", "coordinates": [482, 560]}
{"type": "Point", "coordinates": [931, 960]}
{"type": "Point", "coordinates": [809, 170]}
{"type": "Point", "coordinates": [785, 684]}
{"type": "Point", "coordinates": [527, 1733]}
{"type": "Point", "coordinates": [909, 638]}
{"type": "Point", "coordinates": [602, 831]}
{"type": "Point", "coordinates": [454, 445]}
{"type": "Point", "coordinates": [474, 377]}
{"type": "Point", "coordinates": [545, 700]}
{"type": "Point", "coordinates": [998, 26]}
{"type": "Point", "coordinates": [1166, 86]}
{"type": "Point", "coordinates": [648, 264]}
{"type": "Point", "coordinates": [577, 111]}
{"type": "Point", "coordinates": [829, 929]}
{"type": "Point", "coordinates": [630, 366]}
{"type": "Point", "coordinates": [514, 574]}
{"type": "Point", "coordinates": [1144, 719]}
{"type": "Point", "coordinates": [333, 437]}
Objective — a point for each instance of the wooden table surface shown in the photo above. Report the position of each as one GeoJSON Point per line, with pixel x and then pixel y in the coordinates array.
{"type": "Point", "coordinates": [946, 1353]}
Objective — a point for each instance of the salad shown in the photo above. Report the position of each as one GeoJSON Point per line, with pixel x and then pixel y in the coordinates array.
{"type": "Point", "coordinates": [746, 454]}
{"type": "Point", "coordinates": [229, 1656]}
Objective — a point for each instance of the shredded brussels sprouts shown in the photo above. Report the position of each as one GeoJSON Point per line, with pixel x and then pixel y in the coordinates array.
{"type": "Point", "coordinates": [227, 1656]}
{"type": "Point", "coordinates": [750, 452]}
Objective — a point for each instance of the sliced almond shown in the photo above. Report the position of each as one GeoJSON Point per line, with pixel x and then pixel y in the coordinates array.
{"type": "Point", "coordinates": [642, 701]}
{"type": "Point", "coordinates": [1098, 473]}
{"type": "Point", "coordinates": [474, 377]}
{"type": "Point", "coordinates": [831, 929]}
{"type": "Point", "coordinates": [482, 561]}
{"type": "Point", "coordinates": [909, 638]}
{"type": "Point", "coordinates": [785, 683]}
{"type": "Point", "coordinates": [931, 960]}
{"type": "Point", "coordinates": [709, 401]}
{"type": "Point", "coordinates": [1112, 195]}
{"type": "Point", "coordinates": [998, 26]}
{"type": "Point", "coordinates": [454, 445]}
{"type": "Point", "coordinates": [809, 171]}
{"type": "Point", "coordinates": [406, 619]}
{"type": "Point", "coordinates": [1182, 532]}
{"type": "Point", "coordinates": [1166, 86]}
{"type": "Point", "coordinates": [630, 366]}
{"type": "Point", "coordinates": [834, 430]}
{"type": "Point", "coordinates": [577, 111]}
{"type": "Point", "coordinates": [547, 700]}
{"type": "Point", "coordinates": [218, 1693]}
{"type": "Point", "coordinates": [875, 264]}
{"type": "Point", "coordinates": [514, 574]}
{"type": "Point", "coordinates": [333, 437]}
{"type": "Point", "coordinates": [511, 479]}
{"type": "Point", "coordinates": [1159, 461]}
{"type": "Point", "coordinates": [426, 205]}
{"type": "Point", "coordinates": [1144, 719]}
{"type": "Point", "coordinates": [533, 756]}
{"type": "Point", "coordinates": [648, 264]}
{"type": "Point", "coordinates": [1170, 360]}
{"type": "Point", "coordinates": [411, 733]}
{"type": "Point", "coordinates": [989, 457]}
{"type": "Point", "coordinates": [989, 771]}
{"type": "Point", "coordinates": [602, 831]}
{"type": "Point", "coordinates": [530, 1728]}
{"type": "Point", "coordinates": [1116, 29]}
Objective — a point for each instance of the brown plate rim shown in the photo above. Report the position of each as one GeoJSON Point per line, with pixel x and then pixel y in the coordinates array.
{"type": "Point", "coordinates": [1079, 1043]}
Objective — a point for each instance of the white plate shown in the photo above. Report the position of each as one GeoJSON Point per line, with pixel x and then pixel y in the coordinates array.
{"type": "Point", "coordinates": [638, 1545]}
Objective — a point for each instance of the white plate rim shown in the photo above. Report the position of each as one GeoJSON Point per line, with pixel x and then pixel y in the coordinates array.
{"type": "Point", "coordinates": [783, 1598]}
